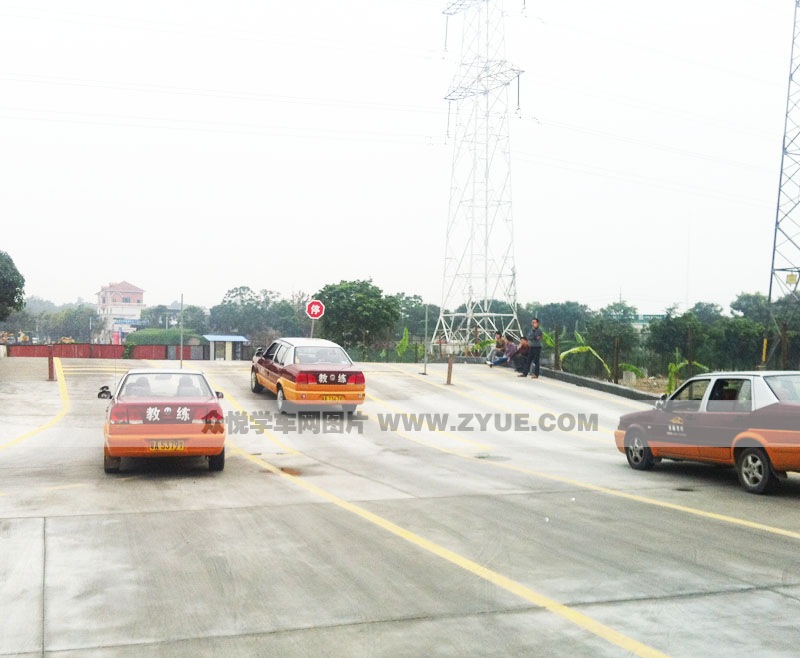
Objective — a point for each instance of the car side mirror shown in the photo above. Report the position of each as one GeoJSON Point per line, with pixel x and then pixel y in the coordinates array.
{"type": "Point", "coordinates": [259, 351]}
{"type": "Point", "coordinates": [661, 403]}
{"type": "Point", "coordinates": [104, 393]}
{"type": "Point", "coordinates": [219, 394]}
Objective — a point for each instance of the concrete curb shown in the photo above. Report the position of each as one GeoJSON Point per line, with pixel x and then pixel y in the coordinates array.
{"type": "Point", "coordinates": [596, 384]}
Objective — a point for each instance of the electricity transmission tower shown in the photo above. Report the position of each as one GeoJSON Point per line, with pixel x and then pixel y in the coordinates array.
{"type": "Point", "coordinates": [479, 287]}
{"type": "Point", "coordinates": [783, 283]}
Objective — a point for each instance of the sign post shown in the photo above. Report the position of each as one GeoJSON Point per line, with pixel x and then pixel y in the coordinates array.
{"type": "Point", "coordinates": [315, 309]}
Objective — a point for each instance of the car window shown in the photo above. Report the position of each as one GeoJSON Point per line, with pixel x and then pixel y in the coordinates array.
{"type": "Point", "coordinates": [730, 394]}
{"type": "Point", "coordinates": [689, 396]}
{"type": "Point", "coordinates": [322, 355]}
{"type": "Point", "coordinates": [280, 355]}
{"type": "Point", "coordinates": [785, 387]}
{"type": "Point", "coordinates": [165, 385]}
{"type": "Point", "coordinates": [270, 353]}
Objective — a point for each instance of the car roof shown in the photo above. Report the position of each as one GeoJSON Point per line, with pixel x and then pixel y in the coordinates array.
{"type": "Point", "coordinates": [163, 371]}
{"type": "Point", "coordinates": [301, 341]}
{"type": "Point", "coordinates": [745, 373]}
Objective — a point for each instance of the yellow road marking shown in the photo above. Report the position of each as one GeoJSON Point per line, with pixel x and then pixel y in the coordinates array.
{"type": "Point", "coordinates": [732, 520]}
{"type": "Point", "coordinates": [266, 432]}
{"type": "Point", "coordinates": [526, 593]}
{"type": "Point", "coordinates": [65, 407]}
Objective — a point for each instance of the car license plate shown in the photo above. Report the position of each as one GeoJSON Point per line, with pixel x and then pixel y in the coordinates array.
{"type": "Point", "coordinates": [167, 445]}
{"type": "Point", "coordinates": [331, 398]}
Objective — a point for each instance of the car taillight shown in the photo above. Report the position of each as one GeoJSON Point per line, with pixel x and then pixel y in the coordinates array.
{"type": "Point", "coordinates": [118, 415]}
{"type": "Point", "coordinates": [207, 415]}
{"type": "Point", "coordinates": [306, 378]}
{"type": "Point", "coordinates": [356, 378]}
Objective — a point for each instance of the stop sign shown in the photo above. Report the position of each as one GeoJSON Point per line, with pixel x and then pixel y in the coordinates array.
{"type": "Point", "coordinates": [315, 309]}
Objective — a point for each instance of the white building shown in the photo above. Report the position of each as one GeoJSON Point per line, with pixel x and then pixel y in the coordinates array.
{"type": "Point", "coordinates": [120, 307]}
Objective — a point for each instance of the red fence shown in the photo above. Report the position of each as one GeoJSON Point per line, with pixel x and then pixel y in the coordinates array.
{"type": "Point", "coordinates": [92, 351]}
{"type": "Point", "coordinates": [70, 350]}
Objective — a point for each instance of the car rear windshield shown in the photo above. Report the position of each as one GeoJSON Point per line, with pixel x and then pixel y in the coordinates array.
{"type": "Point", "coordinates": [327, 355]}
{"type": "Point", "coordinates": [165, 385]}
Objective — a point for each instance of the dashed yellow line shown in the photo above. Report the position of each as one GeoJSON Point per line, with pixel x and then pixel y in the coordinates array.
{"type": "Point", "coordinates": [732, 520]}
{"type": "Point", "coordinates": [66, 405]}
{"type": "Point", "coordinates": [526, 593]}
{"type": "Point", "coordinates": [266, 431]}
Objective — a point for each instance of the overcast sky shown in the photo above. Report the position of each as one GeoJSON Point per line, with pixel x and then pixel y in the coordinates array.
{"type": "Point", "coordinates": [192, 147]}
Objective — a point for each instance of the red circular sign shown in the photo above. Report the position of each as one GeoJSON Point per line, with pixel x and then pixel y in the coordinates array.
{"type": "Point", "coordinates": [315, 309]}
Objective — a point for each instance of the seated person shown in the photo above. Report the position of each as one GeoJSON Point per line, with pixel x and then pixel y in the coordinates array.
{"type": "Point", "coordinates": [520, 358]}
{"type": "Point", "coordinates": [499, 346]}
{"type": "Point", "coordinates": [187, 387]}
{"type": "Point", "coordinates": [509, 351]}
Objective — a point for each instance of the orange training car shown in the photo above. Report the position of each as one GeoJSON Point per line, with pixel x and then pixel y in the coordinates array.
{"type": "Point", "coordinates": [163, 413]}
{"type": "Point", "coordinates": [307, 373]}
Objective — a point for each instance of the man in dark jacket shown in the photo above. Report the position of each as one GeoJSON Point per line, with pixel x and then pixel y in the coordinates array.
{"type": "Point", "coordinates": [535, 351]}
{"type": "Point", "coordinates": [521, 356]}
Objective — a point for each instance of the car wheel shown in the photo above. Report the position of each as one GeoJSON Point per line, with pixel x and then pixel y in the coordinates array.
{"type": "Point", "coordinates": [216, 462]}
{"type": "Point", "coordinates": [254, 385]}
{"type": "Point", "coordinates": [111, 464]}
{"type": "Point", "coordinates": [283, 406]}
{"type": "Point", "coordinates": [755, 471]}
{"type": "Point", "coordinates": [639, 455]}
{"type": "Point", "coordinates": [349, 408]}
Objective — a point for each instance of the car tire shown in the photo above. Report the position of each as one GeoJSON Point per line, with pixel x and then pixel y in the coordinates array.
{"type": "Point", "coordinates": [284, 407]}
{"type": "Point", "coordinates": [638, 452]}
{"type": "Point", "coordinates": [111, 464]}
{"type": "Point", "coordinates": [254, 385]}
{"type": "Point", "coordinates": [755, 471]}
{"type": "Point", "coordinates": [349, 409]}
{"type": "Point", "coordinates": [216, 462]}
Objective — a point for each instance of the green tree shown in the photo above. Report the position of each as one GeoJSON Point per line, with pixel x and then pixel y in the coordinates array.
{"type": "Point", "coordinates": [75, 322]}
{"type": "Point", "coordinates": [12, 287]}
{"type": "Point", "coordinates": [707, 313]}
{"type": "Point", "coordinates": [357, 313]}
{"type": "Point", "coordinates": [754, 306]}
{"type": "Point", "coordinates": [567, 317]}
{"type": "Point", "coordinates": [412, 316]}
{"type": "Point", "coordinates": [157, 317]}
{"type": "Point", "coordinates": [242, 311]}
{"type": "Point", "coordinates": [288, 319]}
{"type": "Point", "coordinates": [195, 319]}
{"type": "Point", "coordinates": [610, 326]}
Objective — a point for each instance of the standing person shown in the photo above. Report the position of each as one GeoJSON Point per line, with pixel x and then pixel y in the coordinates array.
{"type": "Point", "coordinates": [535, 341]}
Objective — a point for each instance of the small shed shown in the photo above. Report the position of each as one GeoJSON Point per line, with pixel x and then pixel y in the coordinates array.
{"type": "Point", "coordinates": [225, 348]}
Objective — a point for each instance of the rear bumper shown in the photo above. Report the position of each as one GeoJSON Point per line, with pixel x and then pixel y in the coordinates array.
{"type": "Point", "coordinates": [327, 396]}
{"type": "Point", "coordinates": [139, 443]}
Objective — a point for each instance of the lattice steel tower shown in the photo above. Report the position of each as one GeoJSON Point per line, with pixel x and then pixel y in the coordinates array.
{"type": "Point", "coordinates": [786, 244]}
{"type": "Point", "coordinates": [479, 254]}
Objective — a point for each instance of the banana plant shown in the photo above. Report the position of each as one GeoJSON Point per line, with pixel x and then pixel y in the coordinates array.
{"type": "Point", "coordinates": [674, 370]}
{"type": "Point", "coordinates": [582, 348]}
